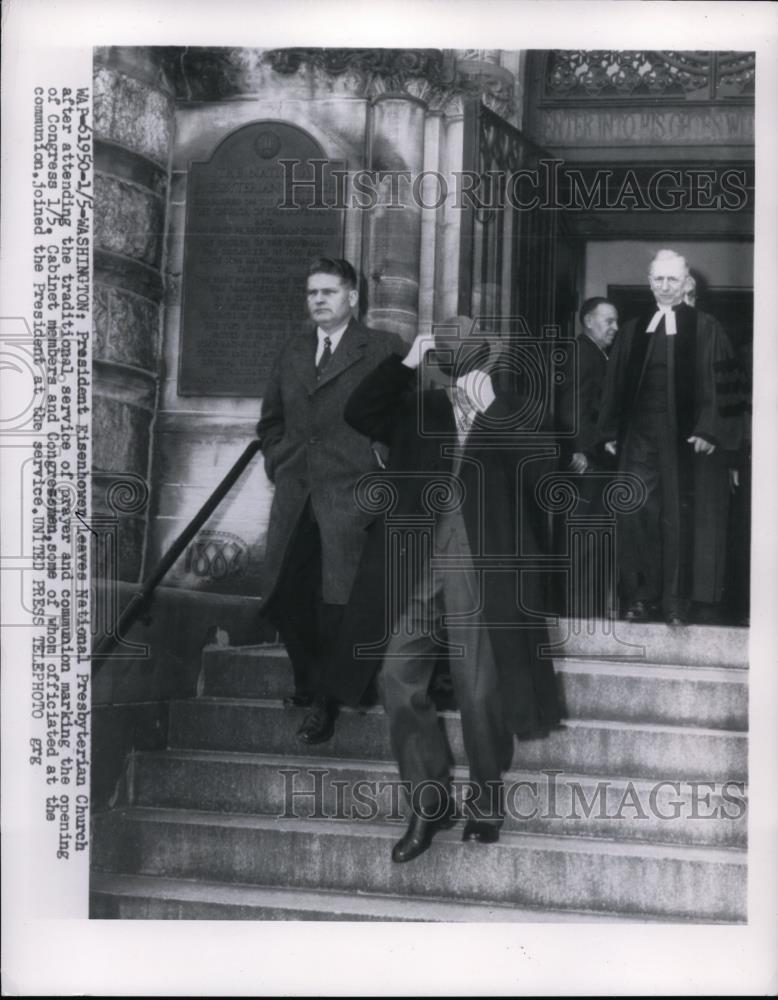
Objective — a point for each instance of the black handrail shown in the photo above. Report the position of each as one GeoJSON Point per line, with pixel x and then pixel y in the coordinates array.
{"type": "Point", "coordinates": [140, 601]}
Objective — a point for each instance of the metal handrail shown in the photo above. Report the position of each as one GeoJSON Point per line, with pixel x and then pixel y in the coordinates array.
{"type": "Point", "coordinates": [141, 600]}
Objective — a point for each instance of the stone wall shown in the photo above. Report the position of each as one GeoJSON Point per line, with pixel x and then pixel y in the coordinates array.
{"type": "Point", "coordinates": [133, 127]}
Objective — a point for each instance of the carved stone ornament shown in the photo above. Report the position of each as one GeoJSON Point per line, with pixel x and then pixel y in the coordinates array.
{"type": "Point", "coordinates": [434, 76]}
{"type": "Point", "coordinates": [482, 74]}
{"type": "Point", "coordinates": [395, 67]}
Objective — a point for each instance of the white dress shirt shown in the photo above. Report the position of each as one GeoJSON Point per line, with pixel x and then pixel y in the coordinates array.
{"type": "Point", "coordinates": [334, 340]}
{"type": "Point", "coordinates": [472, 394]}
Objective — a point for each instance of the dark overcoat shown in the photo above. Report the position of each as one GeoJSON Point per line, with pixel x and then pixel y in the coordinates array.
{"type": "Point", "coordinates": [579, 404]}
{"type": "Point", "coordinates": [496, 486]}
{"type": "Point", "coordinates": [310, 451]}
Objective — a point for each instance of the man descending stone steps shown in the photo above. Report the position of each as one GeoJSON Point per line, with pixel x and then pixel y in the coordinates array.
{"type": "Point", "coordinates": [449, 446]}
{"type": "Point", "coordinates": [314, 459]}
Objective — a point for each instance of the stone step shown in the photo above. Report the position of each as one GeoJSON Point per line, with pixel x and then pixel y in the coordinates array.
{"type": "Point", "coordinates": [556, 804]}
{"type": "Point", "coordinates": [637, 750]}
{"type": "Point", "coordinates": [142, 897]}
{"type": "Point", "coordinates": [711, 697]}
{"type": "Point", "coordinates": [701, 645]}
{"type": "Point", "coordinates": [688, 883]}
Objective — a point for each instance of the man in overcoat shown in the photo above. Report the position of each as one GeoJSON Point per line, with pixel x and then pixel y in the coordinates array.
{"type": "Point", "coordinates": [672, 412]}
{"type": "Point", "coordinates": [457, 521]}
{"type": "Point", "coordinates": [314, 459]}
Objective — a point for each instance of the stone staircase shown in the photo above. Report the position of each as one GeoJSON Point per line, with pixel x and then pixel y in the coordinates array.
{"type": "Point", "coordinates": [634, 809]}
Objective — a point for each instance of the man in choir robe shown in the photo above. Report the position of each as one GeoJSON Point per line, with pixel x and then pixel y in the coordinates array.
{"type": "Point", "coordinates": [672, 413]}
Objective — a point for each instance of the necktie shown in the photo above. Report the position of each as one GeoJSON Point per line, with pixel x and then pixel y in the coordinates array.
{"type": "Point", "coordinates": [326, 357]}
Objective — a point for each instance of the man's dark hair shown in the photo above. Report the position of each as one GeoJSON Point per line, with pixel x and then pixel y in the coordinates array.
{"type": "Point", "coordinates": [334, 265]}
{"type": "Point", "coordinates": [591, 304]}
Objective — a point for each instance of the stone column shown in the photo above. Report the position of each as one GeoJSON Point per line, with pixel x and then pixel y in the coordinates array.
{"type": "Point", "coordinates": [133, 124]}
{"type": "Point", "coordinates": [449, 230]}
{"type": "Point", "coordinates": [394, 225]}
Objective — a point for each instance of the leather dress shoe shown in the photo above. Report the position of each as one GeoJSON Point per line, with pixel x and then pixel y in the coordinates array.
{"type": "Point", "coordinates": [418, 837]}
{"type": "Point", "coordinates": [298, 701]}
{"type": "Point", "coordinates": [675, 619]}
{"type": "Point", "coordinates": [638, 611]}
{"type": "Point", "coordinates": [479, 832]}
{"type": "Point", "coordinates": [319, 724]}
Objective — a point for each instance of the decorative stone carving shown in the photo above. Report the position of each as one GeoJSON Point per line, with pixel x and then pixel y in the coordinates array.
{"type": "Point", "coordinates": [212, 74]}
{"type": "Point", "coordinates": [128, 220]}
{"type": "Point", "coordinates": [125, 328]}
{"type": "Point", "coordinates": [219, 73]}
{"type": "Point", "coordinates": [131, 113]}
{"type": "Point", "coordinates": [395, 67]}
{"type": "Point", "coordinates": [123, 442]}
{"type": "Point", "coordinates": [480, 72]}
{"type": "Point", "coordinates": [480, 55]}
{"type": "Point", "coordinates": [433, 76]}
{"type": "Point", "coordinates": [417, 87]}
{"type": "Point", "coordinates": [101, 317]}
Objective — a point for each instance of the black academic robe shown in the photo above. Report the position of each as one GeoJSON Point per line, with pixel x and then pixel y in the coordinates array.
{"type": "Point", "coordinates": [708, 403]}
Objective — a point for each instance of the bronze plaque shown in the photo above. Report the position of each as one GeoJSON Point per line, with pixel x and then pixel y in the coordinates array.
{"type": "Point", "coordinates": [246, 250]}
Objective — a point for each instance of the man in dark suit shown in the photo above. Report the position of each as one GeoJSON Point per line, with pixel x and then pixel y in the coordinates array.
{"type": "Point", "coordinates": [672, 411]}
{"type": "Point", "coordinates": [314, 459]}
{"type": "Point", "coordinates": [579, 408]}
{"type": "Point", "coordinates": [441, 572]}
{"type": "Point", "coordinates": [599, 325]}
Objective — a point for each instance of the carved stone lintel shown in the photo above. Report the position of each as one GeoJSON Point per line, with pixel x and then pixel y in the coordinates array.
{"type": "Point", "coordinates": [212, 74]}
{"type": "Point", "coordinates": [434, 77]}
{"type": "Point", "coordinates": [394, 66]}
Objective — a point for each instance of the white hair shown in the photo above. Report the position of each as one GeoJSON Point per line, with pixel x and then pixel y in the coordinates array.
{"type": "Point", "coordinates": [663, 255]}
